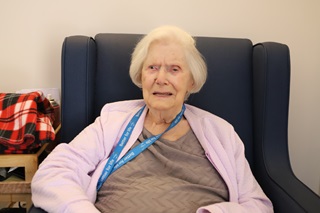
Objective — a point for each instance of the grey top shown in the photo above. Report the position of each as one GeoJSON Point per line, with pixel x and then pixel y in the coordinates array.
{"type": "Point", "coordinates": [170, 176]}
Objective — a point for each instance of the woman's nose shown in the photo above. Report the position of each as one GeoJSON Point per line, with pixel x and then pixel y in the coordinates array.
{"type": "Point", "coordinates": [161, 76]}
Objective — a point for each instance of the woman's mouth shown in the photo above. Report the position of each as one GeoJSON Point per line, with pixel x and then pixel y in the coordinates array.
{"type": "Point", "coordinates": [162, 94]}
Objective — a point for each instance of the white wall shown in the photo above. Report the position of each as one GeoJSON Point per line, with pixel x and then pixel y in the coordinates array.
{"type": "Point", "coordinates": [32, 33]}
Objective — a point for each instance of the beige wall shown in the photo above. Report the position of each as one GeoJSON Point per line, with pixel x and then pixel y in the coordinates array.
{"type": "Point", "coordinates": [32, 33]}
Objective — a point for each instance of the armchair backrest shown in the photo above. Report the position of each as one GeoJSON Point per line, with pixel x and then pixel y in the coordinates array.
{"type": "Point", "coordinates": [105, 78]}
{"type": "Point", "coordinates": [247, 85]}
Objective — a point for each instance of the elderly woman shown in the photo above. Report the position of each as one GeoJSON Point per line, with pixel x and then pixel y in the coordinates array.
{"type": "Point", "coordinates": [156, 154]}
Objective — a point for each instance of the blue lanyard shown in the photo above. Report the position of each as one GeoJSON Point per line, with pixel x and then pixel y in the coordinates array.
{"type": "Point", "coordinates": [112, 165]}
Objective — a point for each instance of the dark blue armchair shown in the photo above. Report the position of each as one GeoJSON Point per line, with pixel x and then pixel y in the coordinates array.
{"type": "Point", "coordinates": [248, 85]}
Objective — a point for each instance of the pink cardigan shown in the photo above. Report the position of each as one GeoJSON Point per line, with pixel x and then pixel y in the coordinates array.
{"type": "Point", "coordinates": [66, 181]}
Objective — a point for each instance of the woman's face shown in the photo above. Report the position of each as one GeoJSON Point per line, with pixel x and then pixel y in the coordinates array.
{"type": "Point", "coordinates": [165, 77]}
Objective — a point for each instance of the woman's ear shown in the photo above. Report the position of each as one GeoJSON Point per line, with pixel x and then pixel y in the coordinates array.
{"type": "Point", "coordinates": [191, 86]}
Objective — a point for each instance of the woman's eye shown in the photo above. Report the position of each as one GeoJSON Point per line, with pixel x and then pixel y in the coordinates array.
{"type": "Point", "coordinates": [153, 67]}
{"type": "Point", "coordinates": [175, 69]}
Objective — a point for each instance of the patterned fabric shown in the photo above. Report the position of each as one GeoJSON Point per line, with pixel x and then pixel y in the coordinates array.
{"type": "Point", "coordinates": [169, 176]}
{"type": "Point", "coordinates": [25, 122]}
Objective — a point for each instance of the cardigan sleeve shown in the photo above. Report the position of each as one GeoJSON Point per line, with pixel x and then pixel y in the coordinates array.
{"type": "Point", "coordinates": [61, 181]}
{"type": "Point", "coordinates": [251, 198]}
{"type": "Point", "coordinates": [66, 180]}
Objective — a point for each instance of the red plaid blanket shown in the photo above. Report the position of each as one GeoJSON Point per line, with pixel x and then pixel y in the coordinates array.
{"type": "Point", "coordinates": [25, 122]}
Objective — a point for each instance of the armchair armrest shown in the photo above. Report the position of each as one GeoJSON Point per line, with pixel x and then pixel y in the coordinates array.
{"type": "Point", "coordinates": [273, 169]}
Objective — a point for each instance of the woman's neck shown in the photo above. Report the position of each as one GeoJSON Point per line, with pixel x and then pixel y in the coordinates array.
{"type": "Point", "coordinates": [158, 122]}
{"type": "Point", "coordinates": [157, 117]}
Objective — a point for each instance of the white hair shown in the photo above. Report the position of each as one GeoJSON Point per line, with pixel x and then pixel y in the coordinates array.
{"type": "Point", "coordinates": [194, 59]}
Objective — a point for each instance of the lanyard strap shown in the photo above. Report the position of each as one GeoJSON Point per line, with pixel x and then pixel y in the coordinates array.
{"type": "Point", "coordinates": [112, 165]}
